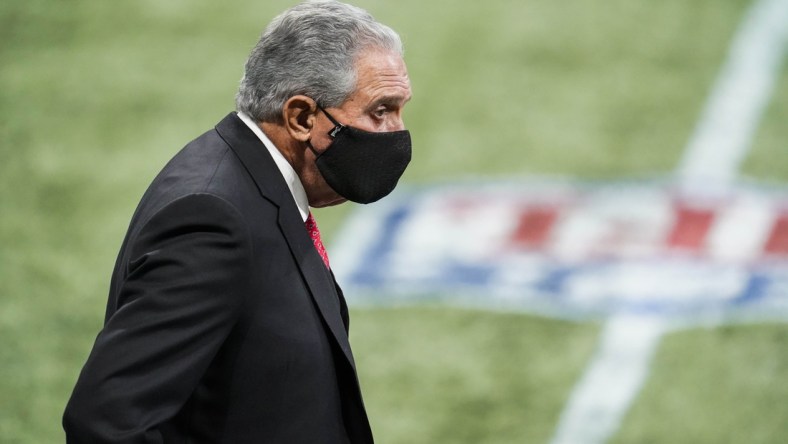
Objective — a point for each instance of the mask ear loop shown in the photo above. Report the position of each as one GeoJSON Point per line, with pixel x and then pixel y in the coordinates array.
{"type": "Point", "coordinates": [311, 148]}
{"type": "Point", "coordinates": [338, 127]}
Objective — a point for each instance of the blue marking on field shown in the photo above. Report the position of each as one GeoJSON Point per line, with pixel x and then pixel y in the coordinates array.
{"type": "Point", "coordinates": [373, 266]}
{"type": "Point", "coordinates": [463, 274]}
{"type": "Point", "coordinates": [555, 280]}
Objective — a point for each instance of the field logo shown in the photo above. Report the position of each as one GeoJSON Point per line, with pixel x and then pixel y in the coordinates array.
{"type": "Point", "coordinates": [574, 250]}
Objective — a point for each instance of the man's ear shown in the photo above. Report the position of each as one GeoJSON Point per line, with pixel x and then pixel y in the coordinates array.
{"type": "Point", "coordinates": [300, 113]}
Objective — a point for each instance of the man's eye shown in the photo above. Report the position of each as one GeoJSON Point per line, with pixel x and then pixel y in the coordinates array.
{"type": "Point", "coordinates": [380, 112]}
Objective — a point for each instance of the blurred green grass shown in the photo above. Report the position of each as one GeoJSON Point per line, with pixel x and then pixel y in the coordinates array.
{"type": "Point", "coordinates": [96, 96]}
{"type": "Point", "coordinates": [436, 374]}
{"type": "Point", "coordinates": [722, 385]}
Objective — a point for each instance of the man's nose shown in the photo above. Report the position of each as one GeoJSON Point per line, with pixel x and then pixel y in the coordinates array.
{"type": "Point", "coordinates": [396, 124]}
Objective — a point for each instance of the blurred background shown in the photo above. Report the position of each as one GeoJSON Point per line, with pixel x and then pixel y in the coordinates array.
{"type": "Point", "coordinates": [96, 96]}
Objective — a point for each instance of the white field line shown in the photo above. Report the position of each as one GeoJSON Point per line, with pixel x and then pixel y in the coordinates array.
{"type": "Point", "coordinates": [742, 91]}
{"type": "Point", "coordinates": [613, 378]}
{"type": "Point", "coordinates": [721, 139]}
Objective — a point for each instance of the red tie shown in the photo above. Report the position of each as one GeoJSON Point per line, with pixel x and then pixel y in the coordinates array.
{"type": "Point", "coordinates": [314, 233]}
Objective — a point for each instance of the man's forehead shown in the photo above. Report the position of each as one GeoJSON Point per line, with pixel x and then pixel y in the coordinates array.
{"type": "Point", "coordinates": [384, 76]}
{"type": "Point", "coordinates": [381, 60]}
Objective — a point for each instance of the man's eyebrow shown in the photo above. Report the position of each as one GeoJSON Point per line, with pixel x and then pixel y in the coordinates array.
{"type": "Point", "coordinates": [390, 100]}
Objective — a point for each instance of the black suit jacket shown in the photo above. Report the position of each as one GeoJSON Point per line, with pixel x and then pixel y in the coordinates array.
{"type": "Point", "coordinates": [223, 325]}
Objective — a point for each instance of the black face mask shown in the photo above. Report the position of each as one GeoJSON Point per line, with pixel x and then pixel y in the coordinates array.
{"type": "Point", "coordinates": [361, 166]}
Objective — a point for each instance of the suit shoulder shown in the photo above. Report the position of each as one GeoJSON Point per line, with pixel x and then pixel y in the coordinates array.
{"type": "Point", "coordinates": [193, 171]}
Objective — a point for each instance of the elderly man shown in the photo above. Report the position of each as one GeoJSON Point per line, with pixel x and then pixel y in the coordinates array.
{"type": "Point", "coordinates": [224, 323]}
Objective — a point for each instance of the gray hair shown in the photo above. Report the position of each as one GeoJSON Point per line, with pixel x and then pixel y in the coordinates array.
{"type": "Point", "coordinates": [309, 49]}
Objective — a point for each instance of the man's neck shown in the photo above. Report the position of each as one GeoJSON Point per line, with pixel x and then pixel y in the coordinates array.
{"type": "Point", "coordinates": [282, 142]}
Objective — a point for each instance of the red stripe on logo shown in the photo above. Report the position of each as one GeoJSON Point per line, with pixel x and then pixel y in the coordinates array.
{"type": "Point", "coordinates": [533, 227]}
{"type": "Point", "coordinates": [778, 239]}
{"type": "Point", "coordinates": [691, 227]}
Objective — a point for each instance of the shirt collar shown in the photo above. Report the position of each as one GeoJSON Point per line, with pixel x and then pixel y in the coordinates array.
{"type": "Point", "coordinates": [289, 174]}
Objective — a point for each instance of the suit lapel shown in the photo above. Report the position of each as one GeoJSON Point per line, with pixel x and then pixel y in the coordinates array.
{"type": "Point", "coordinates": [317, 277]}
{"type": "Point", "coordinates": [272, 186]}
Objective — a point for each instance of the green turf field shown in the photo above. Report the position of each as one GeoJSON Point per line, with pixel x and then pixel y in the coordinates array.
{"type": "Point", "coordinates": [96, 96]}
